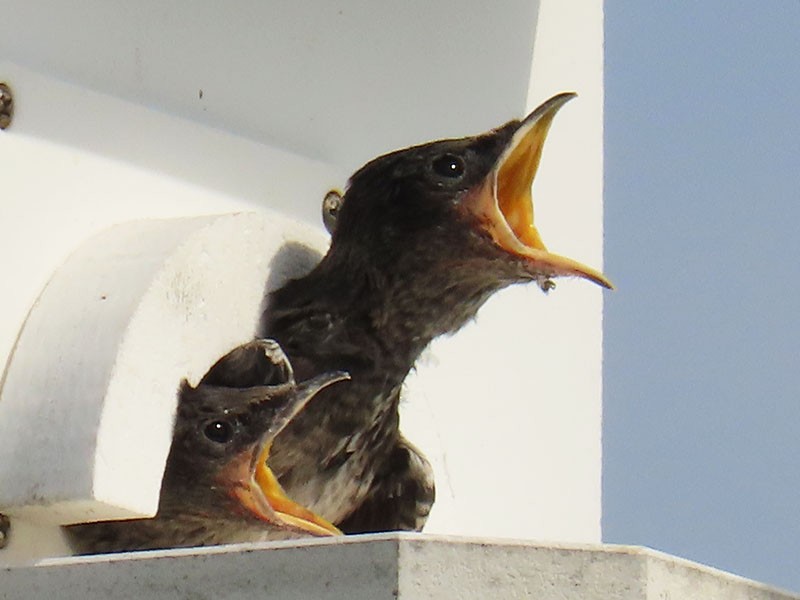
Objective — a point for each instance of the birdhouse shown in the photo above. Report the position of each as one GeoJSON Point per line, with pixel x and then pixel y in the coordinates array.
{"type": "Point", "coordinates": [163, 167]}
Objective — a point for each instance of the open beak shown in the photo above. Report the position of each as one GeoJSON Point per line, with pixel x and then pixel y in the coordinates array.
{"type": "Point", "coordinates": [257, 489]}
{"type": "Point", "coordinates": [504, 205]}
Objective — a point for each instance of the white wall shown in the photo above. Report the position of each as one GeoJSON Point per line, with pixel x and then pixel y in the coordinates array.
{"type": "Point", "coordinates": [110, 126]}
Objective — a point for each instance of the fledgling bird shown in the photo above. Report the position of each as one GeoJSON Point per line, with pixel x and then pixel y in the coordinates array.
{"type": "Point", "coordinates": [217, 486]}
{"type": "Point", "coordinates": [420, 240]}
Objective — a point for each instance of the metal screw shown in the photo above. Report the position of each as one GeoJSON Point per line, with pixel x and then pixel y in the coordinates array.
{"type": "Point", "coordinates": [5, 528]}
{"type": "Point", "coordinates": [330, 209]}
{"type": "Point", "coordinates": [6, 105]}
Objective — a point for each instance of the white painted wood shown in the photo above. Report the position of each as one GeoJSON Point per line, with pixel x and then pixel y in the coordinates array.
{"type": "Point", "coordinates": [339, 81]}
{"type": "Point", "coordinates": [66, 177]}
{"type": "Point", "coordinates": [88, 401]}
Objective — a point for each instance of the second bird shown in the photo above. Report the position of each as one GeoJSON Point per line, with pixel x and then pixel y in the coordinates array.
{"type": "Point", "coordinates": [218, 487]}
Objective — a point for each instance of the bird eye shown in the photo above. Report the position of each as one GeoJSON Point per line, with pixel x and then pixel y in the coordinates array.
{"type": "Point", "coordinates": [449, 165]}
{"type": "Point", "coordinates": [220, 432]}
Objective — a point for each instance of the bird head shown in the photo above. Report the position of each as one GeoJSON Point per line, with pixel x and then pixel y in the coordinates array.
{"type": "Point", "coordinates": [218, 461]}
{"type": "Point", "coordinates": [457, 204]}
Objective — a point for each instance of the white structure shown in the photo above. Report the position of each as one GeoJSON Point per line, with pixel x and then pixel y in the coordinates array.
{"type": "Point", "coordinates": [85, 360]}
{"type": "Point", "coordinates": [387, 566]}
{"type": "Point", "coordinates": [126, 113]}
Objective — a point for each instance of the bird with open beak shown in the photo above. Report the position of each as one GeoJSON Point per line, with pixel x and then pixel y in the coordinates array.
{"type": "Point", "coordinates": [218, 487]}
{"type": "Point", "coordinates": [420, 240]}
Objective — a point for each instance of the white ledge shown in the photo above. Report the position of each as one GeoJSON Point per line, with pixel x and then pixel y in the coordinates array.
{"type": "Point", "coordinates": [406, 566]}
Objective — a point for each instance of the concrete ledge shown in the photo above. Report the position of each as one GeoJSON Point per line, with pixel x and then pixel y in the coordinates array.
{"type": "Point", "coordinates": [407, 566]}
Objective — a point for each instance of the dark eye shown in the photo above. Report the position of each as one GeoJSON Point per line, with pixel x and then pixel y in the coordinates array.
{"type": "Point", "coordinates": [449, 165]}
{"type": "Point", "coordinates": [220, 432]}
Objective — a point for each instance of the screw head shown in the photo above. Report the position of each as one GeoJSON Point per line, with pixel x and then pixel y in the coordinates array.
{"type": "Point", "coordinates": [6, 105]}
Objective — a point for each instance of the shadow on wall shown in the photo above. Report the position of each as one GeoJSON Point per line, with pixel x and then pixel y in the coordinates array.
{"type": "Point", "coordinates": [291, 261]}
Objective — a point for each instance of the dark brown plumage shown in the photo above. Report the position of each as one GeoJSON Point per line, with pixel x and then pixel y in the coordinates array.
{"type": "Point", "coordinates": [421, 239]}
{"type": "Point", "coordinates": [217, 488]}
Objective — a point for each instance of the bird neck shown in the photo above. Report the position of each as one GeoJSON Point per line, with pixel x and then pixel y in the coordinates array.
{"type": "Point", "coordinates": [372, 323]}
{"type": "Point", "coordinates": [361, 317]}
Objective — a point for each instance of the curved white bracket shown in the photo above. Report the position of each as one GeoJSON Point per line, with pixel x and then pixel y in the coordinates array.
{"type": "Point", "coordinates": [88, 396]}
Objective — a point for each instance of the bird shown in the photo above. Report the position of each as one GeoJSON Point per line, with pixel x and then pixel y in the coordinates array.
{"type": "Point", "coordinates": [217, 486]}
{"type": "Point", "coordinates": [421, 238]}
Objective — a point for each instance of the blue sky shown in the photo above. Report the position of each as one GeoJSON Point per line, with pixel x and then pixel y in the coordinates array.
{"type": "Point", "coordinates": [702, 338]}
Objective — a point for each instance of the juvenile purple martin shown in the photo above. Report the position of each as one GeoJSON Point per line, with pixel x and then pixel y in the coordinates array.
{"type": "Point", "coordinates": [421, 238]}
{"type": "Point", "coordinates": [218, 487]}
